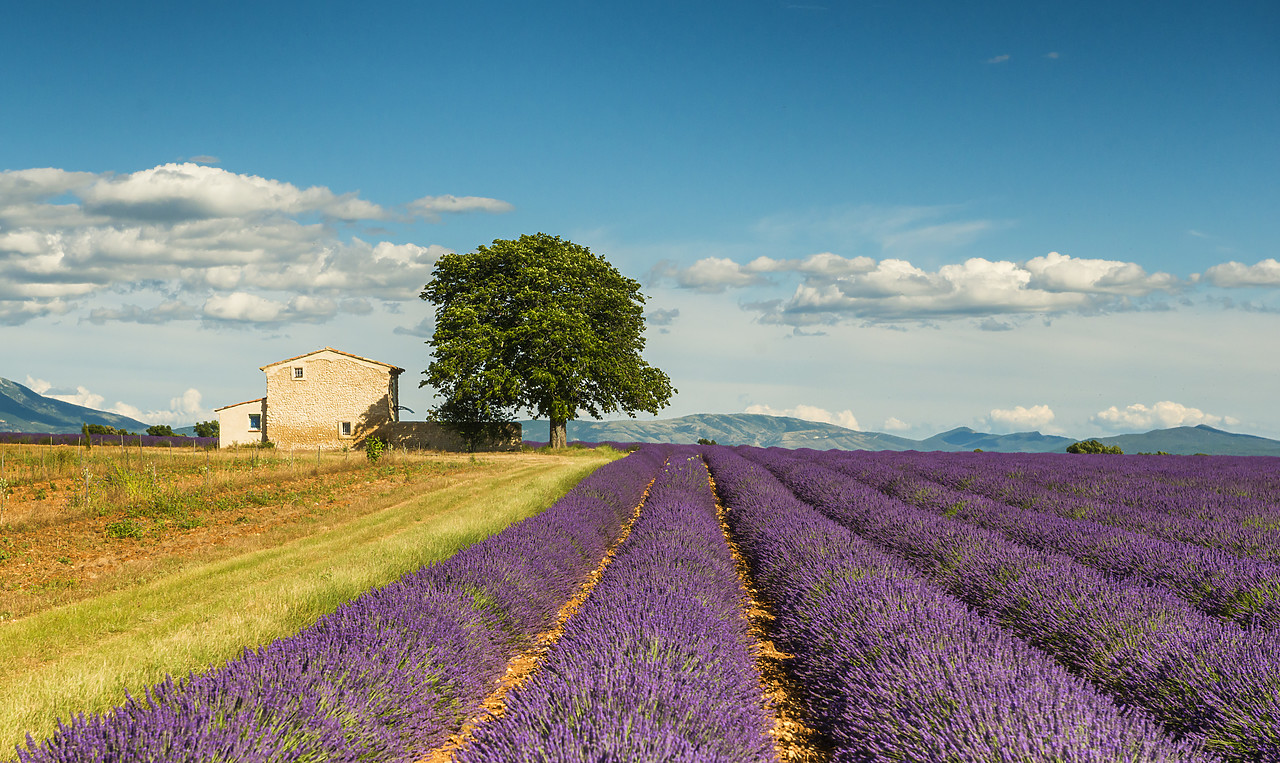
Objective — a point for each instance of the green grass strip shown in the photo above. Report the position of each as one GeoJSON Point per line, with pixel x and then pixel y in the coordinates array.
{"type": "Point", "coordinates": [83, 657]}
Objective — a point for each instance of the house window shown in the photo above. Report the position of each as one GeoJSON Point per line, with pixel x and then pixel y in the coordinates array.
{"type": "Point", "coordinates": [297, 372]}
{"type": "Point", "coordinates": [345, 428]}
{"type": "Point", "coordinates": [255, 422]}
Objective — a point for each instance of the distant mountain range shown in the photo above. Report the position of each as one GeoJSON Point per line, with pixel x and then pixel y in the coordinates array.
{"type": "Point", "coordinates": [780, 431]}
{"type": "Point", "coordinates": [24, 410]}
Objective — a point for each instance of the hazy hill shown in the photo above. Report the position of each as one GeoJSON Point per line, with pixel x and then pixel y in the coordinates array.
{"type": "Point", "coordinates": [24, 410]}
{"type": "Point", "coordinates": [769, 431]}
{"type": "Point", "coordinates": [1198, 439]}
{"type": "Point", "coordinates": [964, 438]}
{"type": "Point", "coordinates": [726, 429]}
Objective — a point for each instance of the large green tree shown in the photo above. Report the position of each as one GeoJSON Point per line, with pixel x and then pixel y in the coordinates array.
{"type": "Point", "coordinates": [539, 324]}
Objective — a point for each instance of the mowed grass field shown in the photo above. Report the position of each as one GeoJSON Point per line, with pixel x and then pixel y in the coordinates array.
{"type": "Point", "coordinates": [201, 609]}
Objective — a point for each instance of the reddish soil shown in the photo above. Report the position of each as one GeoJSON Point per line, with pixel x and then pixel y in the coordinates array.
{"type": "Point", "coordinates": [51, 554]}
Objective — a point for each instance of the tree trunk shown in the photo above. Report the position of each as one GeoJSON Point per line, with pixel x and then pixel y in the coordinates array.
{"type": "Point", "coordinates": [559, 433]}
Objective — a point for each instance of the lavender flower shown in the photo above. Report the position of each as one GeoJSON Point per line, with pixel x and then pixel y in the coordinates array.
{"type": "Point", "coordinates": [1201, 678]}
{"type": "Point", "coordinates": [387, 676]}
{"type": "Point", "coordinates": [894, 669]}
{"type": "Point", "coordinates": [656, 666]}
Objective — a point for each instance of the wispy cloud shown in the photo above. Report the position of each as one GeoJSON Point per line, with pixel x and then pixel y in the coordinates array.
{"type": "Point", "coordinates": [998, 59]}
{"type": "Point", "coordinates": [843, 418]}
{"type": "Point", "coordinates": [431, 207]}
{"type": "Point", "coordinates": [1052, 54]}
{"type": "Point", "coordinates": [892, 230]}
{"type": "Point", "coordinates": [661, 317]}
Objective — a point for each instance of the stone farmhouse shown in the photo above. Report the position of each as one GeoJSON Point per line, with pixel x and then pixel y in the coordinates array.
{"type": "Point", "coordinates": [331, 400]}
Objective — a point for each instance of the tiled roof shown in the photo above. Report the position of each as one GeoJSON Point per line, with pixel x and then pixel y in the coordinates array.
{"type": "Point", "coordinates": [394, 369]}
{"type": "Point", "coordinates": [233, 405]}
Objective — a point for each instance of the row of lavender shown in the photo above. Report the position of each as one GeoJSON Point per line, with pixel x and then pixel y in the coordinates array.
{"type": "Point", "coordinates": [1218, 583]}
{"type": "Point", "coordinates": [1205, 680]}
{"type": "Point", "coordinates": [130, 440]}
{"type": "Point", "coordinates": [1242, 525]}
{"type": "Point", "coordinates": [1219, 488]}
{"type": "Point", "coordinates": [893, 669]}
{"type": "Point", "coordinates": [657, 665]}
{"type": "Point", "coordinates": [389, 675]}
{"type": "Point", "coordinates": [1219, 482]}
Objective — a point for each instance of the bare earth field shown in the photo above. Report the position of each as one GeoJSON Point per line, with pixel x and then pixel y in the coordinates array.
{"type": "Point", "coordinates": [56, 551]}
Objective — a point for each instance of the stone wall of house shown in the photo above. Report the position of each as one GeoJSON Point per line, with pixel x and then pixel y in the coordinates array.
{"type": "Point", "coordinates": [310, 411]}
{"type": "Point", "coordinates": [429, 435]}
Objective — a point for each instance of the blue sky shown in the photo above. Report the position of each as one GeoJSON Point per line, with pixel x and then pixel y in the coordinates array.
{"type": "Point", "coordinates": [897, 216]}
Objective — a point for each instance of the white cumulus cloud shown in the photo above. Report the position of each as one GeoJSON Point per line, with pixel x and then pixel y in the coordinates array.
{"type": "Point", "coordinates": [200, 241]}
{"type": "Point", "coordinates": [38, 386]}
{"type": "Point", "coordinates": [183, 410]}
{"type": "Point", "coordinates": [1237, 274]}
{"type": "Point", "coordinates": [196, 191]}
{"type": "Point", "coordinates": [239, 306]}
{"type": "Point", "coordinates": [186, 408]}
{"type": "Point", "coordinates": [832, 288]}
{"type": "Point", "coordinates": [713, 274]}
{"type": "Point", "coordinates": [1162, 415]}
{"type": "Point", "coordinates": [895, 424]}
{"type": "Point", "coordinates": [82, 396]}
{"type": "Point", "coordinates": [1060, 273]}
{"type": "Point", "coordinates": [1021, 419]}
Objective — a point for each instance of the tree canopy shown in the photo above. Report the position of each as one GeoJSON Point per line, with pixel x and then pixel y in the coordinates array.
{"type": "Point", "coordinates": [1093, 446]}
{"type": "Point", "coordinates": [539, 324]}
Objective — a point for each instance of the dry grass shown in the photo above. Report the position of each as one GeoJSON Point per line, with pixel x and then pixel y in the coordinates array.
{"type": "Point", "coordinates": [139, 524]}
{"type": "Point", "coordinates": [204, 606]}
{"type": "Point", "coordinates": [47, 485]}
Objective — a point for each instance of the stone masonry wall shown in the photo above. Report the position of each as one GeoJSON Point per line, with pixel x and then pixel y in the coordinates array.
{"type": "Point", "coordinates": [309, 412]}
{"type": "Point", "coordinates": [428, 435]}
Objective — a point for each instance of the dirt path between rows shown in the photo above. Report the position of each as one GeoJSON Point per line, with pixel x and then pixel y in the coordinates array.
{"type": "Point", "coordinates": [524, 665]}
{"type": "Point", "coordinates": [794, 740]}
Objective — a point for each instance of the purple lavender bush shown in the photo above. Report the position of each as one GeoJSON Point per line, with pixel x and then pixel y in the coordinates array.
{"type": "Point", "coordinates": [387, 676]}
{"type": "Point", "coordinates": [1237, 511]}
{"type": "Point", "coordinates": [1203, 679]}
{"type": "Point", "coordinates": [130, 440]}
{"type": "Point", "coordinates": [1244, 590]}
{"type": "Point", "coordinates": [893, 669]}
{"type": "Point", "coordinates": [656, 665]}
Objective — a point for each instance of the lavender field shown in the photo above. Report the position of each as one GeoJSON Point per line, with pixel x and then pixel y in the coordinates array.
{"type": "Point", "coordinates": [929, 607]}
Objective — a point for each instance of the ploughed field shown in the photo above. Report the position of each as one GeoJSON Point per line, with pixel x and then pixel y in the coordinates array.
{"type": "Point", "coordinates": [692, 603]}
